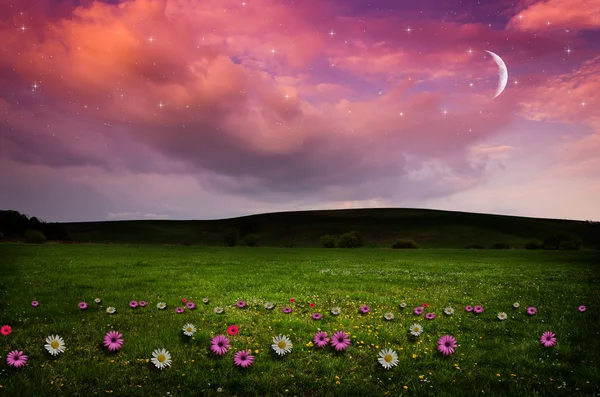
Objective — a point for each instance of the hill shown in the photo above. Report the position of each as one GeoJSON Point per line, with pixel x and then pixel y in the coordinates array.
{"type": "Point", "coordinates": [378, 227]}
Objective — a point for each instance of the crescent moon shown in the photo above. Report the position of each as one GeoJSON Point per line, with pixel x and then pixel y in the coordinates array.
{"type": "Point", "coordinates": [502, 73]}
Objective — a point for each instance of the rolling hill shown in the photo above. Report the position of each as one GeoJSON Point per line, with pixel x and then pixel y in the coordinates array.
{"type": "Point", "coordinates": [378, 227]}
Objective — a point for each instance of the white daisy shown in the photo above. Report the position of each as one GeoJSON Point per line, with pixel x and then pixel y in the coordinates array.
{"type": "Point", "coordinates": [282, 345]}
{"type": "Point", "coordinates": [388, 316]}
{"type": "Point", "coordinates": [516, 305]}
{"type": "Point", "coordinates": [189, 329]}
{"type": "Point", "coordinates": [218, 310]}
{"type": "Point", "coordinates": [111, 310]}
{"type": "Point", "coordinates": [336, 311]}
{"type": "Point", "coordinates": [98, 300]}
{"type": "Point", "coordinates": [161, 305]}
{"type": "Point", "coordinates": [55, 344]}
{"type": "Point", "coordinates": [502, 316]}
{"type": "Point", "coordinates": [449, 311]}
{"type": "Point", "coordinates": [388, 358]}
{"type": "Point", "coordinates": [415, 329]}
{"type": "Point", "coordinates": [161, 358]}
{"type": "Point", "coordinates": [402, 305]}
{"type": "Point", "coordinates": [269, 305]}
{"type": "Point", "coordinates": [205, 300]}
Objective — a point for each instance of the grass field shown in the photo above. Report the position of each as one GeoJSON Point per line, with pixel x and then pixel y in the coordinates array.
{"type": "Point", "coordinates": [492, 358]}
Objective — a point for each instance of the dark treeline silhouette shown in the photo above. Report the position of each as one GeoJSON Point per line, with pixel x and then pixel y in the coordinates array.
{"type": "Point", "coordinates": [14, 225]}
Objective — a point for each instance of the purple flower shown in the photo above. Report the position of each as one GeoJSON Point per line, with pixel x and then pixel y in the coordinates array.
{"type": "Point", "coordinates": [430, 316]}
{"type": "Point", "coordinates": [364, 309]}
{"type": "Point", "coordinates": [113, 340]}
{"type": "Point", "coordinates": [478, 309]}
{"type": "Point", "coordinates": [317, 316]}
{"type": "Point", "coordinates": [243, 358]}
{"type": "Point", "coordinates": [468, 308]}
{"type": "Point", "coordinates": [16, 359]}
{"type": "Point", "coordinates": [179, 310]}
{"type": "Point", "coordinates": [531, 310]}
{"type": "Point", "coordinates": [446, 345]}
{"type": "Point", "coordinates": [190, 305]}
{"type": "Point", "coordinates": [36, 304]}
{"type": "Point", "coordinates": [320, 339]}
{"type": "Point", "coordinates": [340, 341]}
{"type": "Point", "coordinates": [143, 303]}
{"type": "Point", "coordinates": [133, 304]}
{"type": "Point", "coordinates": [548, 339]}
{"type": "Point", "coordinates": [418, 310]}
{"type": "Point", "coordinates": [219, 345]}
{"type": "Point", "coordinates": [241, 304]}
{"type": "Point", "coordinates": [581, 308]}
{"type": "Point", "coordinates": [82, 305]}
{"type": "Point", "coordinates": [287, 310]}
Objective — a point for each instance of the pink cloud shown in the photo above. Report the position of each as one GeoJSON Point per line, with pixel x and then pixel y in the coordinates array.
{"type": "Point", "coordinates": [557, 14]}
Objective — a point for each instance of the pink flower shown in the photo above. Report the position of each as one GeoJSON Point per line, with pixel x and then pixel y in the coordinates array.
{"type": "Point", "coordinates": [219, 345]}
{"type": "Point", "coordinates": [424, 305]}
{"type": "Point", "coordinates": [340, 341]}
{"type": "Point", "coordinates": [5, 330]}
{"type": "Point", "coordinates": [133, 304]}
{"type": "Point", "coordinates": [82, 305]}
{"type": "Point", "coordinates": [179, 310]}
{"type": "Point", "coordinates": [292, 300]}
{"type": "Point", "coordinates": [287, 310]}
{"type": "Point", "coordinates": [233, 329]}
{"type": "Point", "coordinates": [243, 358]}
{"type": "Point", "coordinates": [430, 316]}
{"type": "Point", "coordinates": [183, 300]}
{"type": "Point", "coordinates": [241, 304]}
{"type": "Point", "coordinates": [16, 359]}
{"type": "Point", "coordinates": [320, 339]}
{"type": "Point", "coordinates": [311, 304]}
{"type": "Point", "coordinates": [418, 311]}
{"type": "Point", "coordinates": [113, 340]}
{"type": "Point", "coordinates": [548, 339]}
{"type": "Point", "coordinates": [190, 305]}
{"type": "Point", "coordinates": [446, 345]}
{"type": "Point", "coordinates": [317, 316]}
{"type": "Point", "coordinates": [364, 309]}
{"type": "Point", "coordinates": [478, 309]}
{"type": "Point", "coordinates": [581, 308]}
{"type": "Point", "coordinates": [143, 303]}
{"type": "Point", "coordinates": [531, 310]}
{"type": "Point", "coordinates": [468, 308]}
{"type": "Point", "coordinates": [35, 303]}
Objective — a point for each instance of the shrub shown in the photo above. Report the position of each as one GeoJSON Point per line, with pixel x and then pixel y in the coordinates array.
{"type": "Point", "coordinates": [231, 237]}
{"type": "Point", "coordinates": [534, 245]}
{"type": "Point", "coordinates": [562, 240]}
{"type": "Point", "coordinates": [401, 243]}
{"type": "Point", "coordinates": [475, 246]}
{"type": "Point", "coordinates": [251, 240]}
{"type": "Point", "coordinates": [500, 246]}
{"type": "Point", "coordinates": [34, 236]}
{"type": "Point", "coordinates": [350, 240]}
{"type": "Point", "coordinates": [328, 241]}
{"type": "Point", "coordinates": [571, 245]}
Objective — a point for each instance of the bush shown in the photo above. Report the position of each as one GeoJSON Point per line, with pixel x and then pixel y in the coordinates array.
{"type": "Point", "coordinates": [534, 245]}
{"type": "Point", "coordinates": [350, 240]}
{"type": "Point", "coordinates": [34, 236]}
{"type": "Point", "coordinates": [500, 246]}
{"type": "Point", "coordinates": [328, 241]}
{"type": "Point", "coordinates": [562, 240]}
{"type": "Point", "coordinates": [231, 237]}
{"type": "Point", "coordinates": [475, 246]}
{"type": "Point", "coordinates": [572, 245]}
{"type": "Point", "coordinates": [400, 243]}
{"type": "Point", "coordinates": [251, 240]}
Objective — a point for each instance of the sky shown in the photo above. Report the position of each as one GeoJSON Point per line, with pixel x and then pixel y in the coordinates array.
{"type": "Point", "coordinates": [207, 109]}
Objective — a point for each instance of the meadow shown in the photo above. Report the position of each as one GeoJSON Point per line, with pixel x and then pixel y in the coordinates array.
{"type": "Point", "coordinates": [493, 357]}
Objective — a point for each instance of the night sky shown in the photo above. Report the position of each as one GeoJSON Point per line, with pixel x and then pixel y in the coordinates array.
{"type": "Point", "coordinates": [203, 109]}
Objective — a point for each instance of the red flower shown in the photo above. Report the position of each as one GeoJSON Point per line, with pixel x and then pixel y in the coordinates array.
{"type": "Point", "coordinates": [233, 329]}
{"type": "Point", "coordinates": [311, 304]}
{"type": "Point", "coordinates": [5, 330]}
{"type": "Point", "coordinates": [424, 305]}
{"type": "Point", "coordinates": [184, 300]}
{"type": "Point", "coordinates": [292, 300]}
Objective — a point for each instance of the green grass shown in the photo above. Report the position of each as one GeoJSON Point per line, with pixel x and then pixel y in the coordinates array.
{"type": "Point", "coordinates": [379, 227]}
{"type": "Point", "coordinates": [60, 276]}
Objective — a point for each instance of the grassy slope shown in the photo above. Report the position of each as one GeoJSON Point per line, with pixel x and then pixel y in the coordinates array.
{"type": "Point", "coordinates": [61, 276]}
{"type": "Point", "coordinates": [379, 227]}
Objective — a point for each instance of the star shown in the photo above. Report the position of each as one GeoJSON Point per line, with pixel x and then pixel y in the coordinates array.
{"type": "Point", "coordinates": [332, 33]}
{"type": "Point", "coordinates": [470, 50]}
{"type": "Point", "coordinates": [151, 39]}
{"type": "Point", "coordinates": [160, 105]}
{"type": "Point", "coordinates": [34, 86]}
{"type": "Point", "coordinates": [568, 51]}
{"type": "Point", "coordinates": [408, 30]}
{"type": "Point", "coordinates": [22, 28]}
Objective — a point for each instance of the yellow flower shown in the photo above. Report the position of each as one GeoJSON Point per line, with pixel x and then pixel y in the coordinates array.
{"type": "Point", "coordinates": [497, 374]}
{"type": "Point", "coordinates": [414, 356]}
{"type": "Point", "coordinates": [420, 376]}
{"type": "Point", "coordinates": [406, 387]}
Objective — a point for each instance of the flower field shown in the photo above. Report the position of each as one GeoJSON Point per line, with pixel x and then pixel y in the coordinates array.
{"type": "Point", "coordinates": [81, 320]}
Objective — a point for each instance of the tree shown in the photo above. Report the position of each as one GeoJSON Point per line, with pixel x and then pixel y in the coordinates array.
{"type": "Point", "coordinates": [350, 240]}
{"type": "Point", "coordinates": [231, 237]}
{"type": "Point", "coordinates": [251, 239]}
{"type": "Point", "coordinates": [328, 241]}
